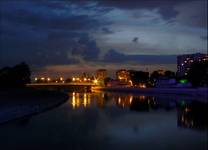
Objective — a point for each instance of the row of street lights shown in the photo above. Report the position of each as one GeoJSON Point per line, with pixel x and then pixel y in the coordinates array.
{"type": "Point", "coordinates": [61, 80]}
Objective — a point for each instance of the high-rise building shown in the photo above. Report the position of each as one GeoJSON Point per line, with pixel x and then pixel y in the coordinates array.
{"type": "Point", "coordinates": [184, 62]}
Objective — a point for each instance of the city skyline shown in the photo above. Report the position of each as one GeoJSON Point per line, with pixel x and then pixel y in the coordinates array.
{"type": "Point", "coordinates": [63, 38]}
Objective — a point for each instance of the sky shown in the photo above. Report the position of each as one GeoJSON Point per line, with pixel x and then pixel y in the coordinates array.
{"type": "Point", "coordinates": [66, 37]}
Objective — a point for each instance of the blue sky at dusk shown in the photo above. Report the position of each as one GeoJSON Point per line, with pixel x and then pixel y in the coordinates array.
{"type": "Point", "coordinates": [66, 37]}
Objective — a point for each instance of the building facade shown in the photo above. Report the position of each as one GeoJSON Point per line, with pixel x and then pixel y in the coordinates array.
{"type": "Point", "coordinates": [122, 75]}
{"type": "Point", "coordinates": [184, 62]}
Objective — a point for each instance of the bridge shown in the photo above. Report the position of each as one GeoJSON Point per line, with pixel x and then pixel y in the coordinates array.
{"type": "Point", "coordinates": [63, 86]}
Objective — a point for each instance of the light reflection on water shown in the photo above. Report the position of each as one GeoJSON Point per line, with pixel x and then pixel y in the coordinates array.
{"type": "Point", "coordinates": [112, 121]}
{"type": "Point", "coordinates": [190, 114]}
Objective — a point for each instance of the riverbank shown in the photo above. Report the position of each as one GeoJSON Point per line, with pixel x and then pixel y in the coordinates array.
{"type": "Point", "coordinates": [18, 103]}
{"type": "Point", "coordinates": [197, 93]}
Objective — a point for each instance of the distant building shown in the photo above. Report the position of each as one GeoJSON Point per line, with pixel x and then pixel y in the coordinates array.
{"type": "Point", "coordinates": [122, 75]}
{"type": "Point", "coordinates": [101, 74]}
{"type": "Point", "coordinates": [184, 62]}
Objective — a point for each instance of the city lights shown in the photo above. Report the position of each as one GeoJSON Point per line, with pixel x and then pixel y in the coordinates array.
{"type": "Point", "coordinates": [95, 81]}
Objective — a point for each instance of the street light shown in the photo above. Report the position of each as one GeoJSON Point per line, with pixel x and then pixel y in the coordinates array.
{"type": "Point", "coordinates": [95, 81]}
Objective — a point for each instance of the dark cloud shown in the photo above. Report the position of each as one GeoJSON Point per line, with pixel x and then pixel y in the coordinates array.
{"type": "Point", "coordinates": [193, 13]}
{"type": "Point", "coordinates": [165, 7]}
{"type": "Point", "coordinates": [135, 40]}
{"type": "Point", "coordinates": [188, 12]}
{"type": "Point", "coordinates": [114, 56]}
{"type": "Point", "coordinates": [38, 20]}
{"type": "Point", "coordinates": [41, 35]}
{"type": "Point", "coordinates": [107, 30]}
{"type": "Point", "coordinates": [85, 49]}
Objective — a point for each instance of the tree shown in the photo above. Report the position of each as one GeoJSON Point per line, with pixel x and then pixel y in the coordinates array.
{"type": "Point", "coordinates": [169, 74]}
{"type": "Point", "coordinates": [155, 75]}
{"type": "Point", "coordinates": [17, 76]}
{"type": "Point", "coordinates": [198, 73]}
{"type": "Point", "coordinates": [138, 77]}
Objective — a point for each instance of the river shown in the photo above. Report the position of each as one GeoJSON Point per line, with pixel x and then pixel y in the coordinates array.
{"type": "Point", "coordinates": [104, 121]}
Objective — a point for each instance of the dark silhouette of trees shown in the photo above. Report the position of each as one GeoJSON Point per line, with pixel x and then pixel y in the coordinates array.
{"type": "Point", "coordinates": [169, 74]}
{"type": "Point", "coordinates": [198, 73]}
{"type": "Point", "coordinates": [17, 76]}
{"type": "Point", "coordinates": [138, 77]}
{"type": "Point", "coordinates": [155, 75]}
{"type": "Point", "coordinates": [106, 80]}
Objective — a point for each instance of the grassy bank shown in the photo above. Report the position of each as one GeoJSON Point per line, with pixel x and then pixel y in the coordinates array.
{"type": "Point", "coordinates": [17, 103]}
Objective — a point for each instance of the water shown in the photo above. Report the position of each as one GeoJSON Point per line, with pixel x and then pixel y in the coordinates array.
{"type": "Point", "coordinates": [112, 121]}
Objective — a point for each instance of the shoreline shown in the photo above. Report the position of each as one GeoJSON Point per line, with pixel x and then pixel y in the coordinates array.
{"type": "Point", "coordinates": [20, 103]}
{"type": "Point", "coordinates": [198, 93]}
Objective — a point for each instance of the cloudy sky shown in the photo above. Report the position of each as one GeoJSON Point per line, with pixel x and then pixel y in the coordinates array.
{"type": "Point", "coordinates": [66, 37]}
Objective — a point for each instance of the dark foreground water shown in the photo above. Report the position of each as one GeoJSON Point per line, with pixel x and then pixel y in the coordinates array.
{"type": "Point", "coordinates": [112, 121]}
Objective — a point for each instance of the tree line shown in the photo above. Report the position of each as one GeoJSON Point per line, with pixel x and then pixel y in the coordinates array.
{"type": "Point", "coordinates": [13, 77]}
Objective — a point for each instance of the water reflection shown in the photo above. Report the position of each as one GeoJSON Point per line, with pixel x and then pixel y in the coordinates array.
{"type": "Point", "coordinates": [85, 100]}
{"type": "Point", "coordinates": [79, 100]}
{"type": "Point", "coordinates": [192, 115]}
{"type": "Point", "coordinates": [189, 115]}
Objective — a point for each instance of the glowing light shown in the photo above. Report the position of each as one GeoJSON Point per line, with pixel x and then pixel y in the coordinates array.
{"type": "Point", "coordinates": [119, 100]}
{"type": "Point", "coordinates": [187, 109]}
{"type": "Point", "coordinates": [85, 79]}
{"type": "Point", "coordinates": [95, 81]}
{"type": "Point", "coordinates": [130, 99]}
{"type": "Point", "coordinates": [183, 81]}
{"type": "Point", "coordinates": [61, 78]}
{"type": "Point", "coordinates": [73, 79]}
{"type": "Point", "coordinates": [36, 79]}
{"type": "Point", "coordinates": [142, 86]}
{"type": "Point", "coordinates": [131, 83]}
{"type": "Point", "coordinates": [73, 100]}
{"type": "Point", "coordinates": [48, 79]}
{"type": "Point", "coordinates": [85, 100]}
{"type": "Point", "coordinates": [42, 78]}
